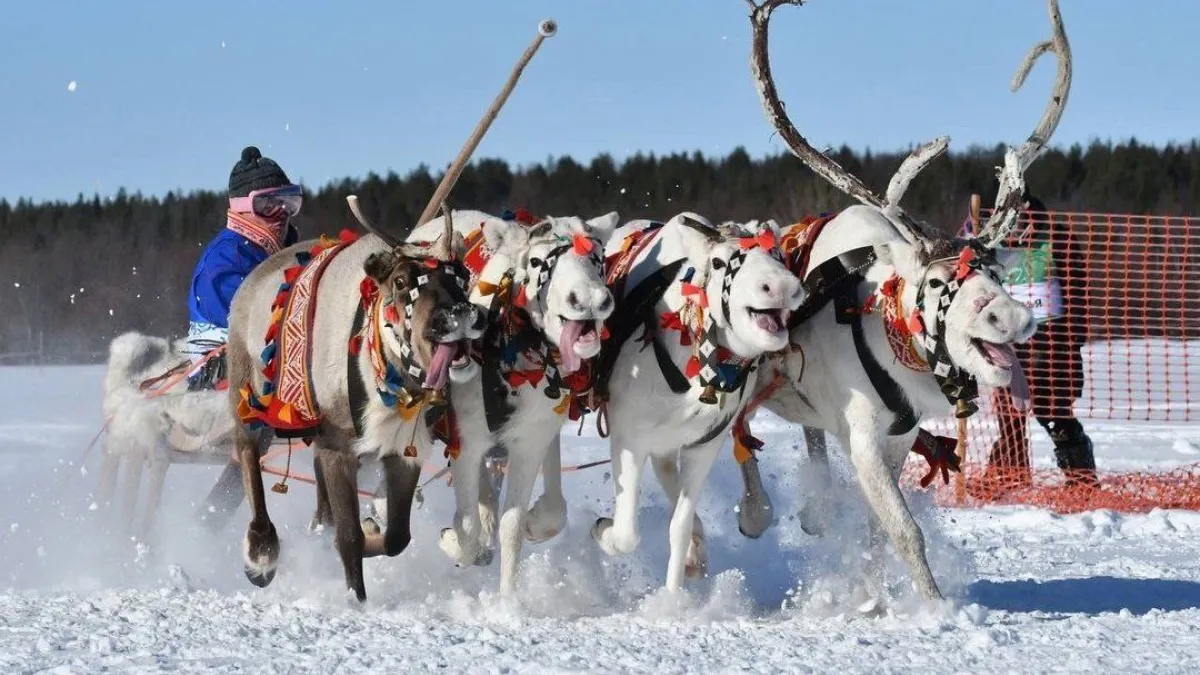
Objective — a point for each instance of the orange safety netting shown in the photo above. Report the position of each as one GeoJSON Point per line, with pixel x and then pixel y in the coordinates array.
{"type": "Point", "coordinates": [1123, 358]}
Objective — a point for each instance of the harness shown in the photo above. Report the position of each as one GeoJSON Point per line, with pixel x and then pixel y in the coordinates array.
{"type": "Point", "coordinates": [837, 280]}
{"type": "Point", "coordinates": [716, 368]}
{"type": "Point", "coordinates": [512, 351]}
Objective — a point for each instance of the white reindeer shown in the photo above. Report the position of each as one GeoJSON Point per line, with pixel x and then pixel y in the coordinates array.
{"type": "Point", "coordinates": [149, 428]}
{"type": "Point", "coordinates": [870, 377]}
{"type": "Point", "coordinates": [675, 392]}
{"type": "Point", "coordinates": [544, 288]}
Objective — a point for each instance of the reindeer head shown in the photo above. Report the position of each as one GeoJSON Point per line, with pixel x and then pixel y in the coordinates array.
{"type": "Point", "coordinates": [750, 291]}
{"type": "Point", "coordinates": [961, 307]}
{"type": "Point", "coordinates": [425, 303]}
{"type": "Point", "coordinates": [559, 265]}
{"type": "Point", "coordinates": [968, 319]}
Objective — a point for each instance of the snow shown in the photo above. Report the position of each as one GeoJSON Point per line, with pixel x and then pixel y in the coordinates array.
{"type": "Point", "coordinates": [1029, 591]}
{"type": "Point", "coordinates": [72, 85]}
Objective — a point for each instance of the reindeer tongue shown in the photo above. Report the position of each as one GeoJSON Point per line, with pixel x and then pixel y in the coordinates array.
{"type": "Point", "coordinates": [571, 332]}
{"type": "Point", "coordinates": [439, 365]}
{"type": "Point", "coordinates": [768, 321]}
{"type": "Point", "coordinates": [1018, 388]}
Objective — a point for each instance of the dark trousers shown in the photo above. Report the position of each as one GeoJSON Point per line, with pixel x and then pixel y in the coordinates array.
{"type": "Point", "coordinates": [1054, 368]}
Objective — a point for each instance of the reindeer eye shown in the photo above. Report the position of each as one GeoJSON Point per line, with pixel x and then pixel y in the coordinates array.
{"type": "Point", "coordinates": [535, 262]}
{"type": "Point", "coordinates": [935, 283]}
{"type": "Point", "coordinates": [718, 264]}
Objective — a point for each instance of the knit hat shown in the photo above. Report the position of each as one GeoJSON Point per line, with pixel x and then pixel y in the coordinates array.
{"type": "Point", "coordinates": [255, 172]}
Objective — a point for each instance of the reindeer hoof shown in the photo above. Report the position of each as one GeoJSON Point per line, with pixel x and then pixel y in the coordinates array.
{"type": "Point", "coordinates": [258, 577]}
{"type": "Point", "coordinates": [813, 520]}
{"type": "Point", "coordinates": [754, 519]}
{"type": "Point", "coordinates": [448, 542]}
{"type": "Point", "coordinates": [371, 526]}
{"type": "Point", "coordinates": [484, 557]}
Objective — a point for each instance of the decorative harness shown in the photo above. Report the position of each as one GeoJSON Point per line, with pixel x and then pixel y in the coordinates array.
{"type": "Point", "coordinates": [513, 352]}
{"type": "Point", "coordinates": [716, 368]}
{"type": "Point", "coordinates": [837, 280]}
{"type": "Point", "coordinates": [399, 387]}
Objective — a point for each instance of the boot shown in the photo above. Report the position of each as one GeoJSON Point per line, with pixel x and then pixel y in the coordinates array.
{"type": "Point", "coordinates": [1073, 451]}
{"type": "Point", "coordinates": [211, 375]}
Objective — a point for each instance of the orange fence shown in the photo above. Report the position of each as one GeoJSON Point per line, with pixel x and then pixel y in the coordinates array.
{"type": "Point", "coordinates": [1122, 357]}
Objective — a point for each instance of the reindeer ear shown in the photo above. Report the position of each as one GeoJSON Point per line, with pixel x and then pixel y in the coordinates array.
{"type": "Point", "coordinates": [602, 227]}
{"type": "Point", "coordinates": [458, 247]}
{"type": "Point", "coordinates": [380, 265]}
{"type": "Point", "coordinates": [505, 237]}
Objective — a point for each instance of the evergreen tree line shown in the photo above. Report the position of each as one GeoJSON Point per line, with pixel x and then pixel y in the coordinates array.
{"type": "Point", "coordinates": [75, 275]}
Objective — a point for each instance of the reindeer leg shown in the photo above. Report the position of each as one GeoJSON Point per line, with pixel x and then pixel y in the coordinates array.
{"type": "Point", "coordinates": [666, 469]}
{"type": "Point", "coordinates": [339, 469]}
{"type": "Point", "coordinates": [521, 476]}
{"type": "Point", "coordinates": [878, 473]}
{"type": "Point", "coordinates": [401, 474]}
{"type": "Point", "coordinates": [132, 481]}
{"type": "Point", "coordinates": [549, 514]}
{"type": "Point", "coordinates": [323, 515]}
{"type": "Point", "coordinates": [225, 497]}
{"type": "Point", "coordinates": [461, 542]}
{"type": "Point", "coordinates": [261, 545]}
{"type": "Point", "coordinates": [754, 511]}
{"type": "Point", "coordinates": [619, 534]}
{"type": "Point", "coordinates": [491, 482]}
{"type": "Point", "coordinates": [110, 464]}
{"type": "Point", "coordinates": [160, 461]}
{"type": "Point", "coordinates": [816, 512]}
{"type": "Point", "coordinates": [687, 544]}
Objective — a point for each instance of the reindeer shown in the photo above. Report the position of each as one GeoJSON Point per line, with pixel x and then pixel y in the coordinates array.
{"type": "Point", "coordinates": [417, 328]}
{"type": "Point", "coordinates": [544, 289]}
{"type": "Point", "coordinates": [151, 428]}
{"type": "Point", "coordinates": [710, 303]}
{"type": "Point", "coordinates": [943, 325]}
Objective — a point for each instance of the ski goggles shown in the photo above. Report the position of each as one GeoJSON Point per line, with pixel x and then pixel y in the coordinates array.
{"type": "Point", "coordinates": [271, 202]}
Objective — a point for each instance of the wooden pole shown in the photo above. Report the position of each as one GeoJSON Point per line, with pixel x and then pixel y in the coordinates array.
{"type": "Point", "coordinates": [546, 29]}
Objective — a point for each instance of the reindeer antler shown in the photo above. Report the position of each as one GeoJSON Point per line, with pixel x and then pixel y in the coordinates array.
{"type": "Point", "coordinates": [915, 231]}
{"type": "Point", "coordinates": [388, 239]}
{"type": "Point", "coordinates": [1016, 162]}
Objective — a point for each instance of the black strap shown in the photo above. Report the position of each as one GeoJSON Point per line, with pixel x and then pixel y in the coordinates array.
{"type": "Point", "coordinates": [845, 304]}
{"type": "Point", "coordinates": [675, 378]}
{"type": "Point", "coordinates": [355, 389]}
{"type": "Point", "coordinates": [632, 311]}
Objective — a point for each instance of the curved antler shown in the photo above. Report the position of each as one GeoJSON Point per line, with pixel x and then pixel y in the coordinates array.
{"type": "Point", "coordinates": [388, 239]}
{"type": "Point", "coordinates": [1016, 162]}
{"type": "Point", "coordinates": [916, 232]}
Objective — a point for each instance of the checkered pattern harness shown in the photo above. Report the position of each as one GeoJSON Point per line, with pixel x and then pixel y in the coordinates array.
{"type": "Point", "coordinates": [512, 351]}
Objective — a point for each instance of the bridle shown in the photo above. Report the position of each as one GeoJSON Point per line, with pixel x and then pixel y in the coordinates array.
{"type": "Point", "coordinates": [958, 386]}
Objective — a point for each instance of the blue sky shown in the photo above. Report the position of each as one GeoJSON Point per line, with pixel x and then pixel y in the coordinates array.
{"type": "Point", "coordinates": [169, 92]}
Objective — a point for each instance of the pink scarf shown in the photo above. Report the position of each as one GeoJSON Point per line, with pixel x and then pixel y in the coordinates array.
{"type": "Point", "coordinates": [267, 234]}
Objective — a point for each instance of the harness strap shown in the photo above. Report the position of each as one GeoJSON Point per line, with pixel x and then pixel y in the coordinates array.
{"type": "Point", "coordinates": [634, 310]}
{"type": "Point", "coordinates": [355, 389]}
{"type": "Point", "coordinates": [846, 312]}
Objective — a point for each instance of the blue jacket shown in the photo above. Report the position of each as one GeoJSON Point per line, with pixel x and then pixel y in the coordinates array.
{"type": "Point", "coordinates": [223, 266]}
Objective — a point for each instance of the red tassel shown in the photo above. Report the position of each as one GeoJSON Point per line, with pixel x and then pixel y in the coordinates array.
{"type": "Point", "coordinates": [963, 267]}
{"type": "Point", "coordinates": [356, 345]}
{"type": "Point", "coordinates": [693, 367]}
{"type": "Point", "coordinates": [520, 300]}
{"type": "Point", "coordinates": [367, 288]}
{"type": "Point", "coordinates": [391, 314]}
{"type": "Point", "coordinates": [431, 263]}
{"type": "Point", "coordinates": [348, 236]}
{"type": "Point", "coordinates": [581, 245]}
{"type": "Point", "coordinates": [292, 273]}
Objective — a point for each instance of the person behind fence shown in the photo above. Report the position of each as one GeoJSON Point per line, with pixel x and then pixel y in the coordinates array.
{"type": "Point", "coordinates": [262, 202]}
{"type": "Point", "coordinates": [1051, 279]}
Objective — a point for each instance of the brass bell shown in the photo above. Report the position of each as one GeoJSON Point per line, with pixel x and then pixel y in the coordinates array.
{"type": "Point", "coordinates": [709, 395]}
{"type": "Point", "coordinates": [436, 397]}
{"type": "Point", "coordinates": [280, 488]}
{"type": "Point", "coordinates": [964, 408]}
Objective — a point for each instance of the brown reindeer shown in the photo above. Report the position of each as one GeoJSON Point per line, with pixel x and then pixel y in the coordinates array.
{"type": "Point", "coordinates": [415, 338]}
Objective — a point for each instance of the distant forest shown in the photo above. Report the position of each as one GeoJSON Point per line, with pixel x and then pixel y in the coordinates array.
{"type": "Point", "coordinates": [75, 275]}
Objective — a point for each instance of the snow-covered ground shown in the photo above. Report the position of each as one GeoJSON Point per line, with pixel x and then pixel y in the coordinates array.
{"type": "Point", "coordinates": [1029, 591]}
